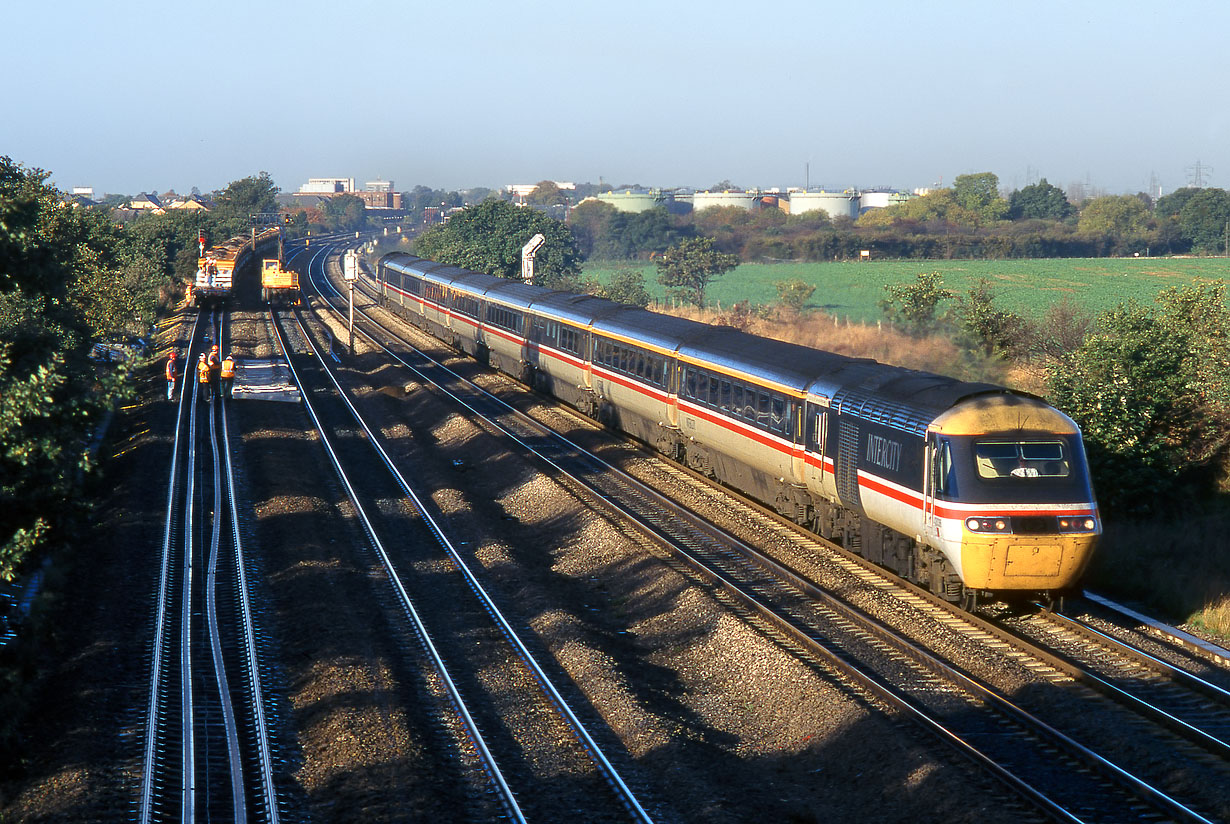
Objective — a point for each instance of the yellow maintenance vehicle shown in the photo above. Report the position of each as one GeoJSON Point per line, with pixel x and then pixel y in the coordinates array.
{"type": "Point", "coordinates": [278, 284]}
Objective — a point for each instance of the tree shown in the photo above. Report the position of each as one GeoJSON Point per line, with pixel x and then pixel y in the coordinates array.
{"type": "Point", "coordinates": [637, 234]}
{"type": "Point", "coordinates": [51, 257]}
{"type": "Point", "coordinates": [794, 293]}
{"type": "Point", "coordinates": [978, 196]}
{"type": "Point", "coordinates": [1151, 392]}
{"type": "Point", "coordinates": [627, 286]}
{"type": "Point", "coordinates": [915, 306]}
{"type": "Point", "coordinates": [689, 266]}
{"type": "Point", "coordinates": [992, 329]}
{"type": "Point", "coordinates": [1121, 216]}
{"type": "Point", "coordinates": [936, 205]}
{"type": "Point", "coordinates": [246, 197]}
{"type": "Point", "coordinates": [488, 238]}
{"type": "Point", "coordinates": [546, 193]}
{"type": "Point", "coordinates": [1203, 220]}
{"type": "Point", "coordinates": [1170, 205]}
{"type": "Point", "coordinates": [345, 213]}
{"type": "Point", "coordinates": [1039, 201]}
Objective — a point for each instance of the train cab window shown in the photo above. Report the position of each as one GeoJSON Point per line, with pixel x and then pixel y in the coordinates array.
{"type": "Point", "coordinates": [942, 479]}
{"type": "Point", "coordinates": [1027, 459]}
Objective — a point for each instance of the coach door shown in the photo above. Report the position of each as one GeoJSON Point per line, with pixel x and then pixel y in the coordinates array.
{"type": "Point", "coordinates": [815, 429]}
{"type": "Point", "coordinates": [938, 463]}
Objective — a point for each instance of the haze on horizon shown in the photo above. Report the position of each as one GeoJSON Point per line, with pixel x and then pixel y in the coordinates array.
{"type": "Point", "coordinates": [142, 96]}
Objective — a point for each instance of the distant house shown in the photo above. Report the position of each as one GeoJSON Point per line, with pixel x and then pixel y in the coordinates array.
{"type": "Point", "coordinates": [147, 203]}
{"type": "Point", "coordinates": [191, 204]}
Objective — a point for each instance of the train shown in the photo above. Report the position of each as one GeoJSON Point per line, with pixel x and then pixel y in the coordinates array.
{"type": "Point", "coordinates": [217, 266]}
{"type": "Point", "coordinates": [978, 492]}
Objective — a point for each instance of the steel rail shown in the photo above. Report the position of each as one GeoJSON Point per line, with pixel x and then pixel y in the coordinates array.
{"type": "Point", "coordinates": [234, 757]}
{"type": "Point", "coordinates": [264, 756]}
{"type": "Point", "coordinates": [1136, 785]}
{"type": "Point", "coordinates": [187, 714]}
{"type": "Point", "coordinates": [475, 736]}
{"type": "Point", "coordinates": [596, 754]}
{"type": "Point", "coordinates": [145, 806]}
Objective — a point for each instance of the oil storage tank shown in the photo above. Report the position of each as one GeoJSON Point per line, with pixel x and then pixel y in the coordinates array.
{"type": "Point", "coordinates": [881, 198]}
{"type": "Point", "coordinates": [708, 200]}
{"type": "Point", "coordinates": [633, 200]}
{"type": "Point", "coordinates": [834, 204]}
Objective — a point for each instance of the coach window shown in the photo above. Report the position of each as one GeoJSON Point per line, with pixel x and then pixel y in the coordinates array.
{"type": "Point", "coordinates": [816, 424]}
{"type": "Point", "coordinates": [737, 400]}
{"type": "Point", "coordinates": [779, 415]}
{"type": "Point", "coordinates": [725, 404]}
{"type": "Point", "coordinates": [762, 409]}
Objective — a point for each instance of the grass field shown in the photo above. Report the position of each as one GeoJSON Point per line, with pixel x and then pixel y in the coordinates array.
{"type": "Point", "coordinates": [1029, 287]}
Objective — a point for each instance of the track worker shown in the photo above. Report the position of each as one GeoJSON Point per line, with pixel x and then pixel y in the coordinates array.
{"type": "Point", "coordinates": [202, 376]}
{"type": "Point", "coordinates": [227, 373]}
{"type": "Point", "coordinates": [172, 373]}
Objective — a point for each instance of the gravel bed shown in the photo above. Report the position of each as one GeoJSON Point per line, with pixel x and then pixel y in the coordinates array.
{"type": "Point", "coordinates": [714, 719]}
{"type": "Point", "coordinates": [735, 724]}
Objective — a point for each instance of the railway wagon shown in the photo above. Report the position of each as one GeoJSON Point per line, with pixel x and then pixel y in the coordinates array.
{"type": "Point", "coordinates": [216, 269]}
{"type": "Point", "coordinates": [970, 489]}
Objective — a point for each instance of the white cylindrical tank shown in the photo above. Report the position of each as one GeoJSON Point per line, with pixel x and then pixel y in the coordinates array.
{"type": "Point", "coordinates": [835, 204]}
{"type": "Point", "coordinates": [630, 200]}
{"type": "Point", "coordinates": [708, 200]}
{"type": "Point", "coordinates": [881, 199]}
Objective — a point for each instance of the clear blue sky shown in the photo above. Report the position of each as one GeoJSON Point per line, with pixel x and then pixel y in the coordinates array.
{"type": "Point", "coordinates": [137, 96]}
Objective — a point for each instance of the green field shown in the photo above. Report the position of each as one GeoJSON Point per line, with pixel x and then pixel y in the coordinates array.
{"type": "Point", "coordinates": [853, 290]}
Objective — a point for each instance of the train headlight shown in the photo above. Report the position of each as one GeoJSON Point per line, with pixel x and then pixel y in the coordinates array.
{"type": "Point", "coordinates": [1083, 523]}
{"type": "Point", "coordinates": [988, 525]}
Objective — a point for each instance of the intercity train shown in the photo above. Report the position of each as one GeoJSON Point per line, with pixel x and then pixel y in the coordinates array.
{"type": "Point", "coordinates": [973, 490]}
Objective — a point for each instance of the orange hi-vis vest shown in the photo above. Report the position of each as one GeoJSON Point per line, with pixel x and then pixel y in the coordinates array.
{"type": "Point", "coordinates": [228, 367]}
{"type": "Point", "coordinates": [202, 371]}
{"type": "Point", "coordinates": [171, 370]}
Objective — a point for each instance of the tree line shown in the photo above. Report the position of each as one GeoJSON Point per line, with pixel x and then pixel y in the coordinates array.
{"type": "Point", "coordinates": [970, 219]}
{"type": "Point", "coordinates": [71, 277]}
{"type": "Point", "coordinates": [1149, 385]}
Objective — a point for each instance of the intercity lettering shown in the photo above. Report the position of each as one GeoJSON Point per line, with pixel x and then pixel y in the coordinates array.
{"type": "Point", "coordinates": [883, 452]}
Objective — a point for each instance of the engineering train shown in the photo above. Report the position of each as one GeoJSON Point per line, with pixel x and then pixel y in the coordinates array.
{"type": "Point", "coordinates": [216, 269]}
{"type": "Point", "coordinates": [975, 491]}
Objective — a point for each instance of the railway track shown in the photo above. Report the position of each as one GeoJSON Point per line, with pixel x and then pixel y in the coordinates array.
{"type": "Point", "coordinates": [207, 750]}
{"type": "Point", "coordinates": [1088, 786]}
{"type": "Point", "coordinates": [499, 729]}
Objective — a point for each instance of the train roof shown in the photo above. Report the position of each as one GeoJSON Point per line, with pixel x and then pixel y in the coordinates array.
{"type": "Point", "coordinates": [790, 365]}
{"type": "Point", "coordinates": [514, 292]}
{"type": "Point", "coordinates": [660, 331]}
{"type": "Point", "coordinates": [903, 398]}
{"type": "Point", "coordinates": [581, 310]}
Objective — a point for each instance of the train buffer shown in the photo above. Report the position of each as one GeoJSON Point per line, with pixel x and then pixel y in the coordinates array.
{"type": "Point", "coordinates": [264, 379]}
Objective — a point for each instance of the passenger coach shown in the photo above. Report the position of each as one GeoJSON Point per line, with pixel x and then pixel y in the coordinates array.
{"type": "Point", "coordinates": [967, 488]}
